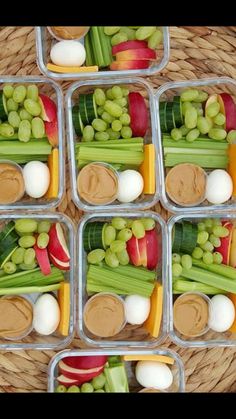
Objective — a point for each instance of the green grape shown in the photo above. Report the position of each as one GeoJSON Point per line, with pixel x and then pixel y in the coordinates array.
{"type": "Point", "coordinates": [27, 241]}
{"type": "Point", "coordinates": [219, 119]}
{"type": "Point", "coordinates": [186, 261]}
{"type": "Point", "coordinates": [112, 134]}
{"type": "Point", "coordinates": [208, 246]}
{"type": "Point", "coordinates": [88, 133]}
{"type": "Point", "coordinates": [116, 92]}
{"type": "Point", "coordinates": [119, 223]}
{"type": "Point", "coordinates": [100, 110]}
{"type": "Point", "coordinates": [125, 110]}
{"type": "Point", "coordinates": [118, 38]}
{"type": "Point", "coordinates": [100, 97]}
{"type": "Point", "coordinates": [213, 109]}
{"type": "Point", "coordinates": [123, 257]}
{"type": "Point", "coordinates": [44, 226]}
{"type": "Point", "coordinates": [111, 30]}
{"type": "Point", "coordinates": [32, 107]}
{"type": "Point", "coordinates": [217, 258]}
{"type": "Point", "coordinates": [155, 39]}
{"type": "Point", "coordinates": [19, 94]}
{"type": "Point", "coordinates": [86, 388]}
{"type": "Point", "coordinates": [202, 237]}
{"type": "Point", "coordinates": [144, 32]}
{"type": "Point", "coordinates": [117, 246]}
{"type": "Point", "coordinates": [183, 129]}
{"type": "Point", "coordinates": [61, 389]}
{"type": "Point", "coordinates": [101, 136]}
{"type": "Point", "coordinates": [203, 125]}
{"type": "Point", "coordinates": [14, 119]}
{"type": "Point", "coordinates": [210, 121]}
{"type": "Point", "coordinates": [42, 240]}
{"type": "Point", "coordinates": [8, 90]}
{"type": "Point", "coordinates": [192, 135]}
{"type": "Point", "coordinates": [208, 222]}
{"type": "Point", "coordinates": [125, 119]}
{"type": "Point", "coordinates": [129, 222]}
{"type": "Point", "coordinates": [126, 132]}
{"type": "Point", "coordinates": [27, 267]}
{"type": "Point", "coordinates": [125, 91]}
{"type": "Point", "coordinates": [109, 235]}
{"type": "Point", "coordinates": [190, 118]}
{"type": "Point", "coordinates": [214, 240]}
{"type": "Point", "coordinates": [12, 105]}
{"type": "Point", "coordinates": [220, 231]}
{"type": "Point", "coordinates": [129, 32]}
{"type": "Point", "coordinates": [201, 227]}
{"type": "Point", "coordinates": [176, 134]}
{"type": "Point", "coordinates": [29, 256]}
{"type": "Point", "coordinates": [99, 125]}
{"type": "Point", "coordinates": [116, 125]}
{"type": "Point", "coordinates": [148, 223]}
{"type": "Point", "coordinates": [111, 259]}
{"type": "Point", "coordinates": [216, 222]}
{"type": "Point", "coordinates": [231, 136]}
{"type": "Point", "coordinates": [98, 382]}
{"type": "Point", "coordinates": [109, 94]}
{"type": "Point", "coordinates": [217, 134]}
{"type": "Point", "coordinates": [121, 102]}
{"type": "Point", "coordinates": [189, 95]}
{"type": "Point", "coordinates": [185, 106]}
{"type": "Point", "coordinates": [9, 268]}
{"type": "Point", "coordinates": [73, 389]}
{"type": "Point", "coordinates": [18, 256]}
{"type": "Point", "coordinates": [197, 253]}
{"type": "Point", "coordinates": [176, 269]}
{"type": "Point", "coordinates": [38, 128]}
{"type": "Point", "coordinates": [6, 130]}
{"type": "Point", "coordinates": [96, 256]}
{"type": "Point", "coordinates": [176, 258]}
{"type": "Point", "coordinates": [26, 225]}
{"type": "Point", "coordinates": [207, 258]}
{"type": "Point", "coordinates": [138, 229]}
{"type": "Point", "coordinates": [24, 131]}
{"type": "Point", "coordinates": [32, 92]}
{"type": "Point", "coordinates": [202, 96]}
{"type": "Point", "coordinates": [113, 109]}
{"type": "Point", "coordinates": [125, 234]}
{"type": "Point", "coordinates": [25, 115]}
{"type": "Point", "coordinates": [107, 117]}
{"type": "Point", "coordinates": [99, 391]}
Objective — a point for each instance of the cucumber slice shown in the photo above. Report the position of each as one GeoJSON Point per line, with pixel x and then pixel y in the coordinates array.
{"type": "Point", "coordinates": [77, 121]}
{"type": "Point", "coordinates": [5, 256]}
{"type": "Point", "coordinates": [3, 107]}
{"type": "Point", "coordinates": [177, 112]}
{"type": "Point", "coordinates": [91, 109]}
{"type": "Point", "coordinates": [8, 241]}
{"type": "Point", "coordinates": [93, 236]}
{"type": "Point", "coordinates": [189, 238]}
{"type": "Point", "coordinates": [162, 114]}
{"type": "Point", "coordinates": [170, 124]}
{"type": "Point", "coordinates": [103, 238]}
{"type": "Point", "coordinates": [82, 109]}
{"type": "Point", "coordinates": [177, 234]}
{"type": "Point", "coordinates": [86, 238]}
{"type": "Point", "coordinates": [7, 230]}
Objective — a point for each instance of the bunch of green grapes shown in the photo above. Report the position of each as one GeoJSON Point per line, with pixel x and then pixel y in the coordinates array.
{"type": "Point", "coordinates": [152, 34]}
{"type": "Point", "coordinates": [96, 385]}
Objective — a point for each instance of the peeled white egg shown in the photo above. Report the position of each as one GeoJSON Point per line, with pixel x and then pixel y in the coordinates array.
{"type": "Point", "coordinates": [219, 187]}
{"type": "Point", "coordinates": [137, 309]}
{"type": "Point", "coordinates": [130, 186]}
{"type": "Point", "coordinates": [153, 374]}
{"type": "Point", "coordinates": [68, 53]}
{"type": "Point", "coordinates": [37, 178]}
{"type": "Point", "coordinates": [46, 314]}
{"type": "Point", "coordinates": [221, 313]}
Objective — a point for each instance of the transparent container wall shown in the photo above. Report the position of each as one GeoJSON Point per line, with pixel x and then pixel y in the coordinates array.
{"type": "Point", "coordinates": [136, 84]}
{"type": "Point", "coordinates": [177, 369]}
{"type": "Point", "coordinates": [210, 338]}
{"type": "Point", "coordinates": [166, 93]}
{"type": "Point", "coordinates": [55, 340]}
{"type": "Point", "coordinates": [53, 90]}
{"type": "Point", "coordinates": [131, 335]}
{"type": "Point", "coordinates": [45, 41]}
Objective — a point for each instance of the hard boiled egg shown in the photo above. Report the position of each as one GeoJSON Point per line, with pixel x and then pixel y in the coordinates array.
{"type": "Point", "coordinates": [37, 178]}
{"type": "Point", "coordinates": [130, 186]}
{"type": "Point", "coordinates": [68, 53]}
{"type": "Point", "coordinates": [46, 314]}
{"type": "Point", "coordinates": [137, 309]}
{"type": "Point", "coordinates": [153, 374]}
{"type": "Point", "coordinates": [221, 313]}
{"type": "Point", "coordinates": [219, 187]}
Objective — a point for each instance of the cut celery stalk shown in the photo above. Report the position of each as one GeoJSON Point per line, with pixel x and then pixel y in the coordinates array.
{"type": "Point", "coordinates": [117, 379]}
{"type": "Point", "coordinates": [29, 290]}
{"type": "Point", "coordinates": [205, 161]}
{"type": "Point", "coordinates": [181, 285]}
{"type": "Point", "coordinates": [224, 270]}
{"type": "Point", "coordinates": [199, 143]}
{"type": "Point", "coordinates": [210, 278]}
{"type": "Point", "coordinates": [111, 156]}
{"type": "Point", "coordinates": [193, 151]}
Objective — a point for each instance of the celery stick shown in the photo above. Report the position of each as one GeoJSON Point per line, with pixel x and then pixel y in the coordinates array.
{"type": "Point", "coordinates": [205, 161]}
{"type": "Point", "coordinates": [30, 277]}
{"type": "Point", "coordinates": [199, 143]}
{"type": "Point", "coordinates": [180, 286]}
{"type": "Point", "coordinates": [29, 289]}
{"type": "Point", "coordinates": [33, 147]}
{"type": "Point", "coordinates": [210, 278]}
{"type": "Point", "coordinates": [93, 287]}
{"type": "Point", "coordinates": [105, 46]}
{"type": "Point", "coordinates": [97, 49]}
{"type": "Point", "coordinates": [111, 156]}
{"type": "Point", "coordinates": [135, 141]}
{"type": "Point", "coordinates": [134, 272]}
{"type": "Point", "coordinates": [89, 50]}
{"type": "Point", "coordinates": [224, 270]}
{"type": "Point", "coordinates": [200, 151]}
{"type": "Point", "coordinates": [117, 379]}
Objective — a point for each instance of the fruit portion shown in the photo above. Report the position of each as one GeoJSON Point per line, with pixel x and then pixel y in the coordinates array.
{"type": "Point", "coordinates": [43, 260]}
{"type": "Point", "coordinates": [224, 248]}
{"type": "Point", "coordinates": [144, 252]}
{"type": "Point", "coordinates": [49, 109]}
{"type": "Point", "coordinates": [51, 129]}
{"type": "Point", "coordinates": [64, 266]}
{"type": "Point", "coordinates": [136, 54]}
{"type": "Point", "coordinates": [228, 107]}
{"type": "Point", "coordinates": [57, 246]}
{"type": "Point", "coordinates": [128, 45]}
{"type": "Point", "coordinates": [232, 258]}
{"type": "Point", "coordinates": [138, 114]}
{"type": "Point", "coordinates": [129, 65]}
{"type": "Point", "coordinates": [153, 252]}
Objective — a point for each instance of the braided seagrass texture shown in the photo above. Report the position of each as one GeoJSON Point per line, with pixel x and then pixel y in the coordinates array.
{"type": "Point", "coordinates": [196, 52]}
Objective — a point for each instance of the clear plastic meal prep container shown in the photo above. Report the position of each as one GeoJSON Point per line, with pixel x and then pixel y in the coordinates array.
{"type": "Point", "coordinates": [51, 88]}
{"type": "Point", "coordinates": [43, 46]}
{"type": "Point", "coordinates": [211, 338]}
{"type": "Point", "coordinates": [166, 92]}
{"type": "Point", "coordinates": [136, 84]}
{"type": "Point", "coordinates": [130, 336]}
{"type": "Point", "coordinates": [177, 369]}
{"type": "Point", "coordinates": [35, 340]}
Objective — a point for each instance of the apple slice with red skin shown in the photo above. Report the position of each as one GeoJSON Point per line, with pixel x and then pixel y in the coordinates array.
{"type": "Point", "coordinates": [132, 247]}
{"type": "Point", "coordinates": [43, 259]}
{"type": "Point", "coordinates": [82, 375]}
{"type": "Point", "coordinates": [152, 249]}
{"type": "Point", "coordinates": [129, 65]}
{"type": "Point", "coordinates": [63, 266]}
{"type": "Point", "coordinates": [49, 109]}
{"type": "Point", "coordinates": [225, 243]}
{"type": "Point", "coordinates": [57, 246]}
{"type": "Point", "coordinates": [138, 114]}
{"type": "Point", "coordinates": [85, 362]}
{"type": "Point", "coordinates": [67, 382]}
{"type": "Point", "coordinates": [228, 108]}
{"type": "Point", "coordinates": [142, 245]}
{"type": "Point", "coordinates": [51, 129]}
{"type": "Point", "coordinates": [232, 257]}
{"type": "Point", "coordinates": [123, 46]}
{"type": "Point", "coordinates": [136, 54]}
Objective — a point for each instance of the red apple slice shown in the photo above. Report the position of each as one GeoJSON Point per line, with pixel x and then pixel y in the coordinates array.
{"type": "Point", "coordinates": [232, 257]}
{"type": "Point", "coordinates": [43, 260]}
{"type": "Point", "coordinates": [57, 244]}
{"type": "Point", "coordinates": [82, 375]}
{"type": "Point", "coordinates": [85, 362]}
{"type": "Point", "coordinates": [225, 243]}
{"type": "Point", "coordinates": [49, 109]}
{"type": "Point", "coordinates": [152, 249]}
{"type": "Point", "coordinates": [129, 65]}
{"type": "Point", "coordinates": [228, 108]}
{"type": "Point", "coordinates": [136, 54]}
{"type": "Point", "coordinates": [64, 266]}
{"type": "Point", "coordinates": [132, 248]}
{"type": "Point", "coordinates": [142, 244]}
{"type": "Point", "coordinates": [67, 381]}
{"type": "Point", "coordinates": [123, 46]}
{"type": "Point", "coordinates": [138, 113]}
{"type": "Point", "coordinates": [51, 129]}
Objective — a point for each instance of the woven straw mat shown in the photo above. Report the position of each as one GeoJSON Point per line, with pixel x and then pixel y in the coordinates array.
{"type": "Point", "coordinates": [196, 52]}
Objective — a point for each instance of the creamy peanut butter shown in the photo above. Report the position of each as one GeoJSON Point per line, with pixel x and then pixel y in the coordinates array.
{"type": "Point", "coordinates": [97, 184]}
{"type": "Point", "coordinates": [191, 314]}
{"type": "Point", "coordinates": [12, 184]}
{"type": "Point", "coordinates": [104, 315]}
{"type": "Point", "coordinates": [16, 316]}
{"type": "Point", "coordinates": [69, 32]}
{"type": "Point", "coordinates": [186, 184]}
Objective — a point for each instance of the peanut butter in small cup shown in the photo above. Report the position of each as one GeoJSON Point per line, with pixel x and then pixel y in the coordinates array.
{"type": "Point", "coordinates": [69, 32]}
{"type": "Point", "coordinates": [191, 313]}
{"type": "Point", "coordinates": [12, 185]}
{"type": "Point", "coordinates": [16, 316]}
